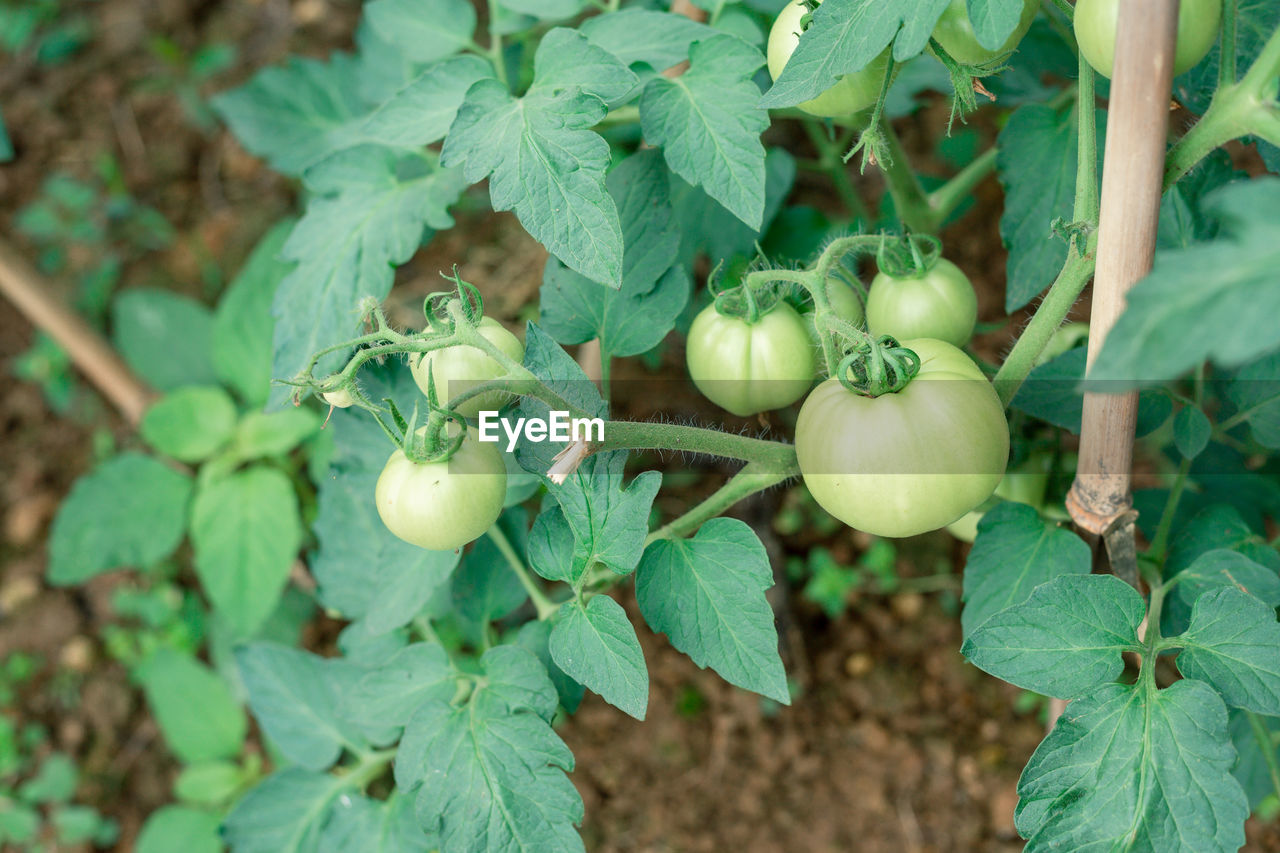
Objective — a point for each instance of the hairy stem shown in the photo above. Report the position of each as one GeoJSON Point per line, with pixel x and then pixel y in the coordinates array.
{"type": "Point", "coordinates": [545, 607]}
{"type": "Point", "coordinates": [908, 196]}
{"type": "Point", "coordinates": [746, 482]}
{"type": "Point", "coordinates": [634, 435]}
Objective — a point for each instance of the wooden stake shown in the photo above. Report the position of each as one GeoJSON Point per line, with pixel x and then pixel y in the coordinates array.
{"type": "Point", "coordinates": [95, 358]}
{"type": "Point", "coordinates": [1133, 169]}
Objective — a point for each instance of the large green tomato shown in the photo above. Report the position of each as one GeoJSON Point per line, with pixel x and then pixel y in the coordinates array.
{"type": "Point", "coordinates": [751, 367]}
{"type": "Point", "coordinates": [851, 93]}
{"type": "Point", "coordinates": [1096, 21]}
{"type": "Point", "coordinates": [441, 506]}
{"type": "Point", "coordinates": [940, 304]}
{"type": "Point", "coordinates": [954, 31]}
{"type": "Point", "coordinates": [459, 368]}
{"type": "Point", "coordinates": [905, 463]}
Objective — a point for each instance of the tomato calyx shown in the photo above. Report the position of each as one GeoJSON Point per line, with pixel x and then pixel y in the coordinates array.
{"type": "Point", "coordinates": [744, 301]}
{"type": "Point", "coordinates": [910, 256]}
{"type": "Point", "coordinates": [878, 366]}
{"type": "Point", "coordinates": [443, 307]}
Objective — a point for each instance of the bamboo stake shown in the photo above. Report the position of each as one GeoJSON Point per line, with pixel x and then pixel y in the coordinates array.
{"type": "Point", "coordinates": [1133, 167]}
{"type": "Point", "coordinates": [100, 364]}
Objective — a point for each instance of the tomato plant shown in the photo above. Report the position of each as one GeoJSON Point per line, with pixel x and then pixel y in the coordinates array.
{"type": "Point", "coordinates": [747, 366]}
{"type": "Point", "coordinates": [1095, 28]}
{"type": "Point", "coordinates": [651, 154]}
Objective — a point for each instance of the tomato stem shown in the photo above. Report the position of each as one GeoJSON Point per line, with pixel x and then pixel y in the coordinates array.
{"type": "Point", "coordinates": [545, 607]}
{"type": "Point", "coordinates": [751, 479]}
{"type": "Point", "coordinates": [636, 435]}
{"type": "Point", "coordinates": [909, 199]}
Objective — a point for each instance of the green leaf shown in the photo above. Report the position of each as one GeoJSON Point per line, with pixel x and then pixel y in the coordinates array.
{"type": "Point", "coordinates": [246, 532]}
{"type": "Point", "coordinates": [291, 115]}
{"type": "Point", "coordinates": [371, 212]}
{"type": "Point", "coordinates": [358, 824]}
{"type": "Point", "coordinates": [54, 782]}
{"type": "Point", "coordinates": [706, 228]}
{"type": "Point", "coordinates": [627, 322]}
{"type": "Point", "coordinates": [707, 595]}
{"type": "Point", "coordinates": [130, 511]}
{"type": "Point", "coordinates": [607, 523]}
{"type": "Point", "coordinates": [994, 20]}
{"type": "Point", "coordinates": [1220, 568]}
{"type": "Point", "coordinates": [566, 59]}
{"type": "Point", "coordinates": [165, 337]}
{"type": "Point", "coordinates": [284, 814]}
{"type": "Point", "coordinates": [424, 30]}
{"type": "Point", "coordinates": [555, 368]}
{"type": "Point", "coordinates": [657, 39]}
{"type": "Point", "coordinates": [1054, 392]}
{"type": "Point", "coordinates": [634, 319]}
{"type": "Point", "coordinates": [18, 824]}
{"type": "Point", "coordinates": [1015, 552]}
{"type": "Point", "coordinates": [1065, 639]}
{"type": "Point", "coordinates": [80, 824]}
{"type": "Point", "coordinates": [364, 571]}
{"type": "Point", "coordinates": [543, 160]}
{"type": "Point", "coordinates": [708, 123]}
{"type": "Point", "coordinates": [209, 783]}
{"type": "Point", "coordinates": [242, 323]}
{"type": "Point", "coordinates": [1234, 645]}
{"type": "Point", "coordinates": [180, 828]}
{"type": "Point", "coordinates": [1191, 431]}
{"type": "Point", "coordinates": [1255, 392]}
{"type": "Point", "coordinates": [190, 424]}
{"type": "Point", "coordinates": [485, 587]}
{"type": "Point", "coordinates": [262, 434]}
{"type": "Point", "coordinates": [295, 697]}
{"type": "Point", "coordinates": [1037, 168]}
{"type": "Point", "coordinates": [388, 696]}
{"type": "Point", "coordinates": [491, 769]}
{"type": "Point", "coordinates": [596, 646]}
{"type": "Point", "coordinates": [1212, 301]}
{"type": "Point", "coordinates": [845, 36]}
{"type": "Point", "coordinates": [199, 717]}
{"type": "Point", "coordinates": [1252, 769]}
{"type": "Point", "coordinates": [1183, 221]}
{"type": "Point", "coordinates": [547, 10]}
{"type": "Point", "coordinates": [535, 636]}
{"type": "Point", "coordinates": [422, 109]}
{"type": "Point", "coordinates": [1131, 768]}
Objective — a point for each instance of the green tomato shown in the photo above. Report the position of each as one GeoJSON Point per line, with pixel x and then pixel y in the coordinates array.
{"type": "Point", "coordinates": [1025, 484]}
{"type": "Point", "coordinates": [940, 304]}
{"type": "Point", "coordinates": [751, 367]}
{"type": "Point", "coordinates": [954, 31]}
{"type": "Point", "coordinates": [457, 369]}
{"type": "Point", "coordinates": [852, 93]}
{"type": "Point", "coordinates": [339, 399]}
{"type": "Point", "coordinates": [1096, 21]}
{"type": "Point", "coordinates": [441, 506]}
{"type": "Point", "coordinates": [905, 463]}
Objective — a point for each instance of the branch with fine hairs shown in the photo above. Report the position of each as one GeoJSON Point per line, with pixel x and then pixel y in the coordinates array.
{"type": "Point", "coordinates": [89, 351]}
{"type": "Point", "coordinates": [1247, 108]}
{"type": "Point", "coordinates": [747, 482]}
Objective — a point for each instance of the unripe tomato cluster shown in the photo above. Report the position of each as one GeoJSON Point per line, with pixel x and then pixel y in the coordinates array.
{"type": "Point", "coordinates": [897, 464]}
{"type": "Point", "coordinates": [443, 505]}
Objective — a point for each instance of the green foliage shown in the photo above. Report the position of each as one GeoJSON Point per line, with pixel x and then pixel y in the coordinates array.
{"type": "Point", "coordinates": [200, 719]}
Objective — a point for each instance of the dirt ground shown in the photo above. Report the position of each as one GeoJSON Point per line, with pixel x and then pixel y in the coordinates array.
{"type": "Point", "coordinates": [893, 742]}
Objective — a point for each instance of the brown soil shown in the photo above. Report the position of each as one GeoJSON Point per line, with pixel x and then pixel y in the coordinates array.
{"type": "Point", "coordinates": [893, 743]}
